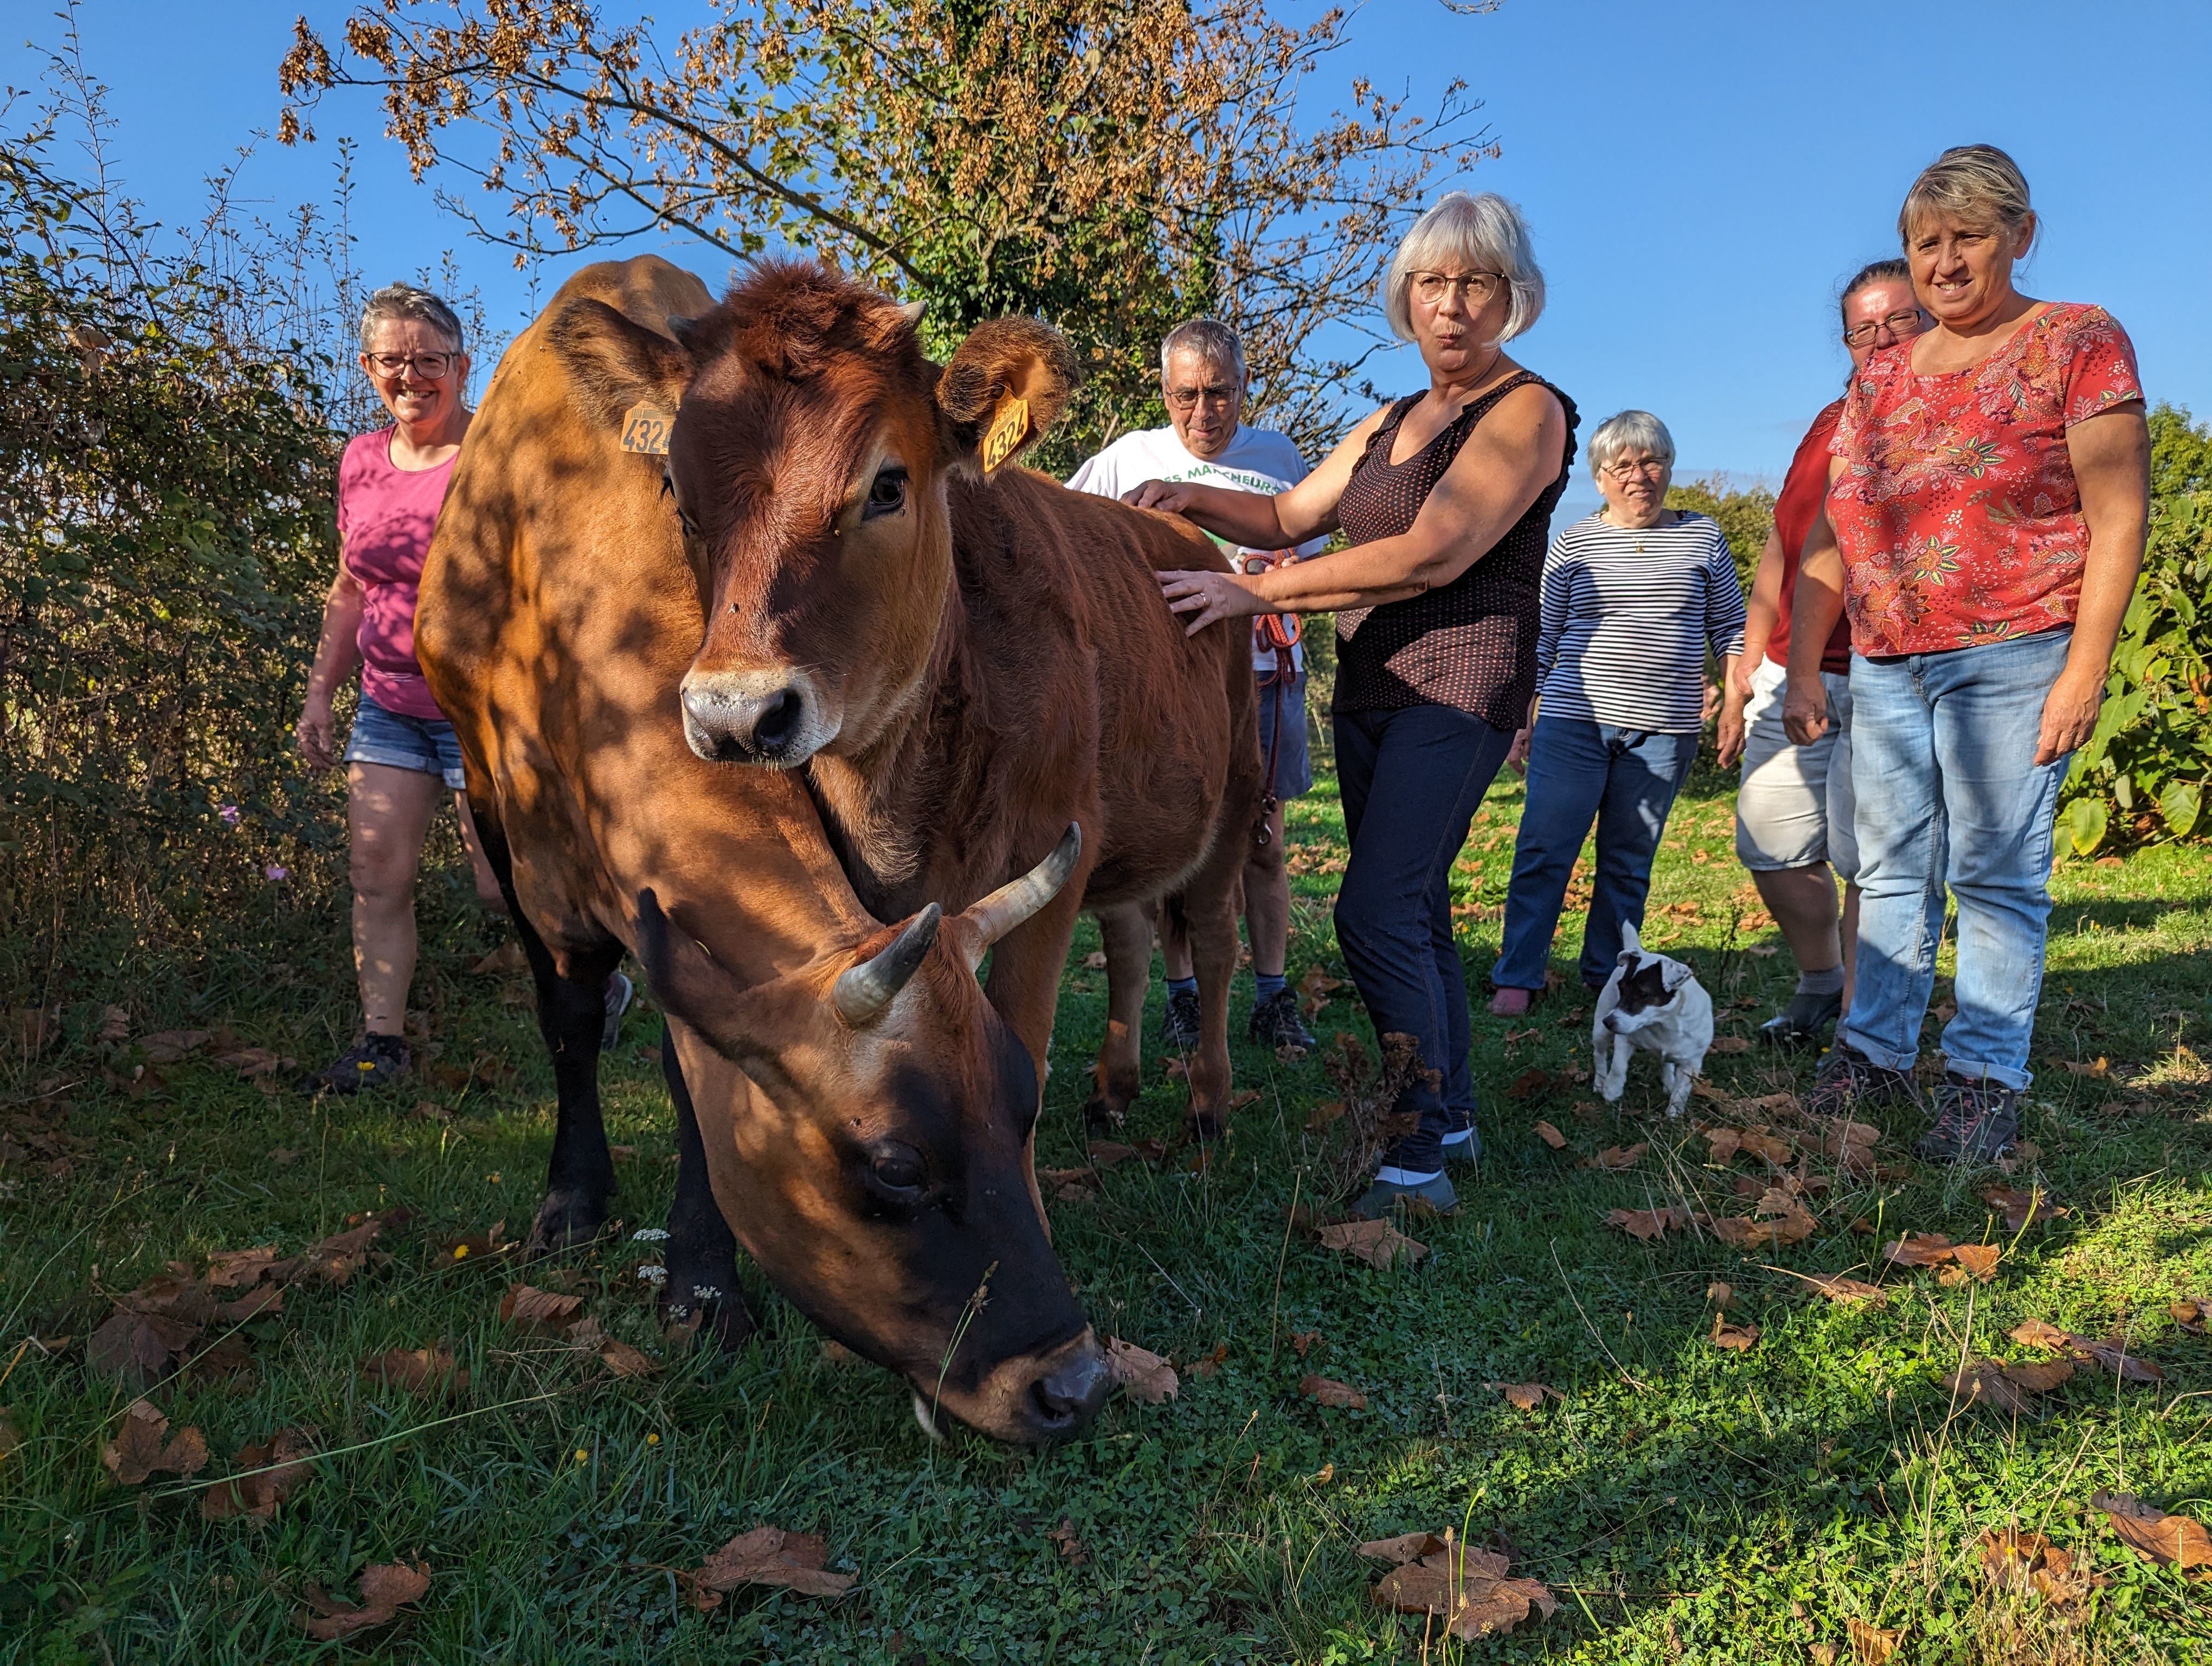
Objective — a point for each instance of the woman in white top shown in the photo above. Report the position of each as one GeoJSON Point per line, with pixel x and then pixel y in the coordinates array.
{"type": "Point", "coordinates": [1633, 597]}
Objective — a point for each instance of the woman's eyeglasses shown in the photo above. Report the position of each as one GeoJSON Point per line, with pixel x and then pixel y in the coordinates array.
{"type": "Point", "coordinates": [1910, 322]}
{"type": "Point", "coordinates": [430, 366]}
{"type": "Point", "coordinates": [1627, 468]}
{"type": "Point", "coordinates": [1477, 286]}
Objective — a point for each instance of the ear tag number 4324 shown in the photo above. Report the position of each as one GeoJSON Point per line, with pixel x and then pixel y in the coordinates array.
{"type": "Point", "coordinates": [644, 429]}
{"type": "Point", "coordinates": [1010, 426]}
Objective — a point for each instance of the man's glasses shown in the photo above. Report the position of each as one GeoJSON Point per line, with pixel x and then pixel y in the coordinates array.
{"type": "Point", "coordinates": [430, 366]}
{"type": "Point", "coordinates": [1477, 286]}
{"type": "Point", "coordinates": [1910, 322]}
{"type": "Point", "coordinates": [1627, 468]}
{"type": "Point", "coordinates": [1187, 399]}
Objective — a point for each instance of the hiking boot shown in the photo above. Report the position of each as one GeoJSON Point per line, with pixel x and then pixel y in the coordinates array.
{"type": "Point", "coordinates": [1976, 1122]}
{"type": "Point", "coordinates": [1276, 1023]}
{"type": "Point", "coordinates": [1183, 1019]}
{"type": "Point", "coordinates": [372, 1061]}
{"type": "Point", "coordinates": [619, 991]}
{"type": "Point", "coordinates": [1395, 1189]}
{"type": "Point", "coordinates": [1802, 1026]}
{"type": "Point", "coordinates": [1461, 1143]}
{"type": "Point", "coordinates": [1848, 1078]}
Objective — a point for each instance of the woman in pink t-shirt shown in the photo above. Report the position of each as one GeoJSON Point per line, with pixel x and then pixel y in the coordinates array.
{"type": "Point", "coordinates": [402, 757]}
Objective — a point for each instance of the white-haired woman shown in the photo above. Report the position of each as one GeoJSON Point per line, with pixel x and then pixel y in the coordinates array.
{"type": "Point", "coordinates": [1985, 524]}
{"type": "Point", "coordinates": [1445, 496]}
{"type": "Point", "coordinates": [402, 756]}
{"type": "Point", "coordinates": [1635, 597]}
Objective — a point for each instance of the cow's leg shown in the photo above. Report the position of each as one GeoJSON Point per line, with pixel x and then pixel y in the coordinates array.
{"type": "Point", "coordinates": [1126, 929]}
{"type": "Point", "coordinates": [579, 1181]}
{"type": "Point", "coordinates": [701, 1293]}
{"type": "Point", "coordinates": [1211, 905]}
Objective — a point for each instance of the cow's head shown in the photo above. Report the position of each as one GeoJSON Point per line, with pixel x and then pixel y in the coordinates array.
{"type": "Point", "coordinates": [809, 463]}
{"type": "Point", "coordinates": [885, 1181]}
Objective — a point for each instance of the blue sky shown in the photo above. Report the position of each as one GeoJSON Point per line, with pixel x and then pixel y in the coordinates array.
{"type": "Point", "coordinates": [1698, 176]}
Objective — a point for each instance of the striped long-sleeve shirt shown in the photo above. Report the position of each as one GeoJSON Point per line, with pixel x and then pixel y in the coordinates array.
{"type": "Point", "coordinates": [1626, 619]}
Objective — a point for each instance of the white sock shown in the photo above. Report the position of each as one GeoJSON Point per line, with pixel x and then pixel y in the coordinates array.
{"type": "Point", "coordinates": [1390, 1176]}
{"type": "Point", "coordinates": [1460, 1136]}
{"type": "Point", "coordinates": [1829, 981]}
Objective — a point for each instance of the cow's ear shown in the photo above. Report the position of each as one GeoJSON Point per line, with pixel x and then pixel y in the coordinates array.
{"type": "Point", "coordinates": [1006, 386]}
{"type": "Point", "coordinates": [617, 363]}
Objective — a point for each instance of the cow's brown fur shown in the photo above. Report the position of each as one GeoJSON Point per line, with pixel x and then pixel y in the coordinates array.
{"type": "Point", "coordinates": [558, 613]}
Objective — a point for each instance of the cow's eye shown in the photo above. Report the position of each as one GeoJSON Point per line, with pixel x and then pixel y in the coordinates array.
{"type": "Point", "coordinates": [897, 1172]}
{"type": "Point", "coordinates": [887, 496]}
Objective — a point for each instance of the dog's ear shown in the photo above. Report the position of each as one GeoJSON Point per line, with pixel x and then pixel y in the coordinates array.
{"type": "Point", "coordinates": [1676, 973]}
{"type": "Point", "coordinates": [1630, 942]}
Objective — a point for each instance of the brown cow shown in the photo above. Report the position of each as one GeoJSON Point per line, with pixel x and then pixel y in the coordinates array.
{"type": "Point", "coordinates": [869, 1144]}
{"type": "Point", "coordinates": [963, 664]}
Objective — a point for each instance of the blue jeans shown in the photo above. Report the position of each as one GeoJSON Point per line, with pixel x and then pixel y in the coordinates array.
{"type": "Point", "coordinates": [1943, 761]}
{"type": "Point", "coordinates": [1410, 780]}
{"type": "Point", "coordinates": [1578, 772]}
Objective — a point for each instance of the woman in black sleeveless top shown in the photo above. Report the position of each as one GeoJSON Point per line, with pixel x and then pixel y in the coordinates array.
{"type": "Point", "coordinates": [1447, 499]}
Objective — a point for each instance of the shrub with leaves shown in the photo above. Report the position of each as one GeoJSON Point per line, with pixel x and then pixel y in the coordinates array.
{"type": "Point", "coordinates": [2142, 774]}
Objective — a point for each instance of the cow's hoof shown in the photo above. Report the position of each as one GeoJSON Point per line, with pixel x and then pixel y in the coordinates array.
{"type": "Point", "coordinates": [1103, 1115]}
{"type": "Point", "coordinates": [720, 1323]}
{"type": "Point", "coordinates": [1203, 1126]}
{"type": "Point", "coordinates": [566, 1220]}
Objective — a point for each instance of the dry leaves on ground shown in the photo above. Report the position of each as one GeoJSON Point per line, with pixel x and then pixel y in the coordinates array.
{"type": "Point", "coordinates": [1469, 1588]}
{"type": "Point", "coordinates": [168, 1046]}
{"type": "Point", "coordinates": [2190, 1316]}
{"type": "Point", "coordinates": [139, 1447]}
{"type": "Point", "coordinates": [1209, 1363]}
{"type": "Point", "coordinates": [506, 958]}
{"type": "Point", "coordinates": [1551, 1136]}
{"type": "Point", "coordinates": [1838, 1288]}
{"type": "Point", "coordinates": [1140, 1373]}
{"type": "Point", "coordinates": [2022, 1209]}
{"type": "Point", "coordinates": [2021, 1562]}
{"type": "Point", "coordinates": [384, 1587]}
{"type": "Point", "coordinates": [1726, 1142]}
{"type": "Point", "coordinates": [1067, 1185]}
{"type": "Point", "coordinates": [1095, 961]}
{"type": "Point", "coordinates": [1327, 1112]}
{"type": "Point", "coordinates": [1870, 1644]}
{"type": "Point", "coordinates": [616, 1355]}
{"type": "Point", "coordinates": [1736, 1338]}
{"type": "Point", "coordinates": [1305, 1341]}
{"type": "Point", "coordinates": [1620, 1157]}
{"type": "Point", "coordinates": [432, 1367]}
{"type": "Point", "coordinates": [2111, 1352]}
{"type": "Point", "coordinates": [1729, 1044]}
{"type": "Point", "coordinates": [270, 1472]}
{"type": "Point", "coordinates": [1315, 989]}
{"type": "Point", "coordinates": [1649, 1223]}
{"type": "Point", "coordinates": [1526, 1397]}
{"type": "Point", "coordinates": [1105, 1153]}
{"type": "Point", "coordinates": [1533, 1080]}
{"type": "Point", "coordinates": [1328, 1391]}
{"type": "Point", "coordinates": [1377, 1243]}
{"type": "Point", "coordinates": [1791, 1223]}
{"type": "Point", "coordinates": [2097, 1069]}
{"type": "Point", "coordinates": [765, 1556]}
{"type": "Point", "coordinates": [1065, 1540]}
{"type": "Point", "coordinates": [477, 1246]}
{"type": "Point", "coordinates": [1721, 1294]}
{"type": "Point", "coordinates": [2169, 1540]}
{"type": "Point", "coordinates": [529, 1309]}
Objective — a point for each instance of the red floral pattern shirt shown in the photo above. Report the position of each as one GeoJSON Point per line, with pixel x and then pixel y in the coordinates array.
{"type": "Point", "coordinates": [1956, 509]}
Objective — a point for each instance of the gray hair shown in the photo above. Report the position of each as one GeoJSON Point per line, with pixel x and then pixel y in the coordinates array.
{"type": "Point", "coordinates": [1488, 234]}
{"type": "Point", "coordinates": [396, 301]}
{"type": "Point", "coordinates": [1976, 184]}
{"type": "Point", "coordinates": [1210, 339]}
{"type": "Point", "coordinates": [1631, 430]}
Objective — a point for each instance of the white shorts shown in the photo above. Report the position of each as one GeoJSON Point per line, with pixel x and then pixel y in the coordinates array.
{"type": "Point", "coordinates": [1796, 806]}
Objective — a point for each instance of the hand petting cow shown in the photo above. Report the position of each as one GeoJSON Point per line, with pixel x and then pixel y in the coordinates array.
{"type": "Point", "coordinates": [962, 658]}
{"type": "Point", "coordinates": [850, 1105]}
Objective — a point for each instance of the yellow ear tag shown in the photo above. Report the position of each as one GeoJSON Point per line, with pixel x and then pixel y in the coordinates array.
{"type": "Point", "coordinates": [644, 429]}
{"type": "Point", "coordinates": [1010, 426]}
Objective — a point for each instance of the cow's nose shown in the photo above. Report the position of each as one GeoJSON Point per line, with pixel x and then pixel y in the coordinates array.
{"type": "Point", "coordinates": [1069, 1394]}
{"type": "Point", "coordinates": [778, 720]}
{"type": "Point", "coordinates": [744, 718]}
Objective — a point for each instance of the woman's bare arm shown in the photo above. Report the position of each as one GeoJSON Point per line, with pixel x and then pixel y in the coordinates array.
{"type": "Point", "coordinates": [2111, 453]}
{"type": "Point", "coordinates": [338, 652]}
{"type": "Point", "coordinates": [1305, 512]}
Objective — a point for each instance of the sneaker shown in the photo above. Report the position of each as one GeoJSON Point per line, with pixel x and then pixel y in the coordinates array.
{"type": "Point", "coordinates": [1976, 1122]}
{"type": "Point", "coordinates": [619, 991]}
{"type": "Point", "coordinates": [1393, 1188]}
{"type": "Point", "coordinates": [1183, 1019]}
{"type": "Point", "coordinates": [1847, 1079]}
{"type": "Point", "coordinates": [1461, 1143]}
{"type": "Point", "coordinates": [372, 1061]}
{"type": "Point", "coordinates": [1802, 1026]}
{"type": "Point", "coordinates": [1276, 1023]}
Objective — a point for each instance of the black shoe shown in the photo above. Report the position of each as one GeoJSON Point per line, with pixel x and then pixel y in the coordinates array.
{"type": "Point", "coordinates": [1848, 1078]}
{"type": "Point", "coordinates": [1976, 1122]}
{"type": "Point", "coordinates": [373, 1061]}
{"type": "Point", "coordinates": [1803, 1025]}
{"type": "Point", "coordinates": [619, 991]}
{"type": "Point", "coordinates": [1276, 1023]}
{"type": "Point", "coordinates": [1183, 1019]}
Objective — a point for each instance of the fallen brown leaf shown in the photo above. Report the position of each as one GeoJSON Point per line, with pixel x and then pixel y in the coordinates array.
{"type": "Point", "coordinates": [2021, 1562]}
{"type": "Point", "coordinates": [1533, 1080]}
{"type": "Point", "coordinates": [1095, 961]}
{"type": "Point", "coordinates": [338, 1257]}
{"type": "Point", "coordinates": [114, 1024]}
{"type": "Point", "coordinates": [384, 1587]}
{"type": "Point", "coordinates": [252, 1061]}
{"type": "Point", "coordinates": [1620, 1157]}
{"type": "Point", "coordinates": [616, 1355]}
{"type": "Point", "coordinates": [2101, 1068]}
{"type": "Point", "coordinates": [1067, 1185]}
{"type": "Point", "coordinates": [1525, 1397]}
{"type": "Point", "coordinates": [1870, 1644]}
{"type": "Point", "coordinates": [1737, 1338]}
{"type": "Point", "coordinates": [138, 1348]}
{"type": "Point", "coordinates": [2022, 1209]}
{"type": "Point", "coordinates": [506, 958]}
{"type": "Point", "coordinates": [1729, 1044]}
{"type": "Point", "coordinates": [1466, 1587]}
{"type": "Point", "coordinates": [1327, 1112]}
{"type": "Point", "coordinates": [1377, 1243]}
{"type": "Point", "coordinates": [1244, 1096]}
{"type": "Point", "coordinates": [1305, 1341]}
{"type": "Point", "coordinates": [2114, 1355]}
{"type": "Point", "coordinates": [541, 1310]}
{"type": "Point", "coordinates": [270, 1472]}
{"type": "Point", "coordinates": [1984, 1381]}
{"type": "Point", "coordinates": [1977, 1262]}
{"type": "Point", "coordinates": [1647, 1224]}
{"type": "Point", "coordinates": [475, 1246]}
{"type": "Point", "coordinates": [167, 1046]}
{"type": "Point", "coordinates": [138, 1449]}
{"type": "Point", "coordinates": [432, 1367]}
{"type": "Point", "coordinates": [2040, 1377]}
{"type": "Point", "coordinates": [1064, 1540]}
{"type": "Point", "coordinates": [1328, 1391]}
{"type": "Point", "coordinates": [1838, 1288]}
{"type": "Point", "coordinates": [766, 1556]}
{"type": "Point", "coordinates": [2169, 1540]}
{"type": "Point", "coordinates": [1919, 1249]}
{"type": "Point", "coordinates": [235, 1269]}
{"type": "Point", "coordinates": [1140, 1373]}
{"type": "Point", "coordinates": [2190, 1316]}
{"type": "Point", "coordinates": [1721, 1294]}
{"type": "Point", "coordinates": [1211, 1363]}
{"type": "Point", "coordinates": [1551, 1136]}
{"type": "Point", "coordinates": [1105, 1153]}
{"type": "Point", "coordinates": [2037, 1333]}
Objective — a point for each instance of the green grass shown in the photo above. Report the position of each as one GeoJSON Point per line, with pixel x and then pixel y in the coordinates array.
{"type": "Point", "coordinates": [1686, 1503]}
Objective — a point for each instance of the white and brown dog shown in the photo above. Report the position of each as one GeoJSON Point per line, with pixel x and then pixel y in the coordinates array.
{"type": "Point", "coordinates": [1655, 1004]}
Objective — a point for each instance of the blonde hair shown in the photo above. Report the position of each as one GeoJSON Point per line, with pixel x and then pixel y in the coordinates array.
{"type": "Point", "coordinates": [1978, 184]}
{"type": "Point", "coordinates": [1485, 232]}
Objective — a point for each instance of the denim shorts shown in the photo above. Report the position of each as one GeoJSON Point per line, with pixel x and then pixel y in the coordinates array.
{"type": "Point", "coordinates": [1293, 765]}
{"type": "Point", "coordinates": [427, 745]}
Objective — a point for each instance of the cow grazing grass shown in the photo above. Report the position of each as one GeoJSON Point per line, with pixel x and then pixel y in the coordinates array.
{"type": "Point", "coordinates": [1819, 1496]}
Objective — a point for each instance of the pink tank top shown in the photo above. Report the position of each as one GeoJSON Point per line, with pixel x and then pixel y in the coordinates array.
{"type": "Point", "coordinates": [386, 515]}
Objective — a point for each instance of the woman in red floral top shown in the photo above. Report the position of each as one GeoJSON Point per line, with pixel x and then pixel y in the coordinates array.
{"type": "Point", "coordinates": [1987, 499]}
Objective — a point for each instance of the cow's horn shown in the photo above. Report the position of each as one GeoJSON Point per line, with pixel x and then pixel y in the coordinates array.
{"type": "Point", "coordinates": [864, 991]}
{"type": "Point", "coordinates": [1011, 903]}
{"type": "Point", "coordinates": [913, 310]}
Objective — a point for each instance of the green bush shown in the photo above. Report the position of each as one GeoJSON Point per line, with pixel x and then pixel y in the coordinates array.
{"type": "Point", "coordinates": [2142, 774]}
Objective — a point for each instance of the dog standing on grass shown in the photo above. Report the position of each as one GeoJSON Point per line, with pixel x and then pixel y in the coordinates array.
{"type": "Point", "coordinates": [1655, 1004]}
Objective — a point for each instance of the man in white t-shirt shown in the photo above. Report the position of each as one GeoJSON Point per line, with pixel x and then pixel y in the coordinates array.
{"type": "Point", "coordinates": [1203, 381]}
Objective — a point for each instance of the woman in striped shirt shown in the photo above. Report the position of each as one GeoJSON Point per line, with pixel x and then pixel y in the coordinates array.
{"type": "Point", "coordinates": [1633, 597]}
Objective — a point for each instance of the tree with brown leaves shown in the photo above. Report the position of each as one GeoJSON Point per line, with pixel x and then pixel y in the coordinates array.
{"type": "Point", "coordinates": [1113, 166]}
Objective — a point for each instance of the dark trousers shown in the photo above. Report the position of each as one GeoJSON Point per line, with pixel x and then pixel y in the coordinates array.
{"type": "Point", "coordinates": [1410, 780]}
